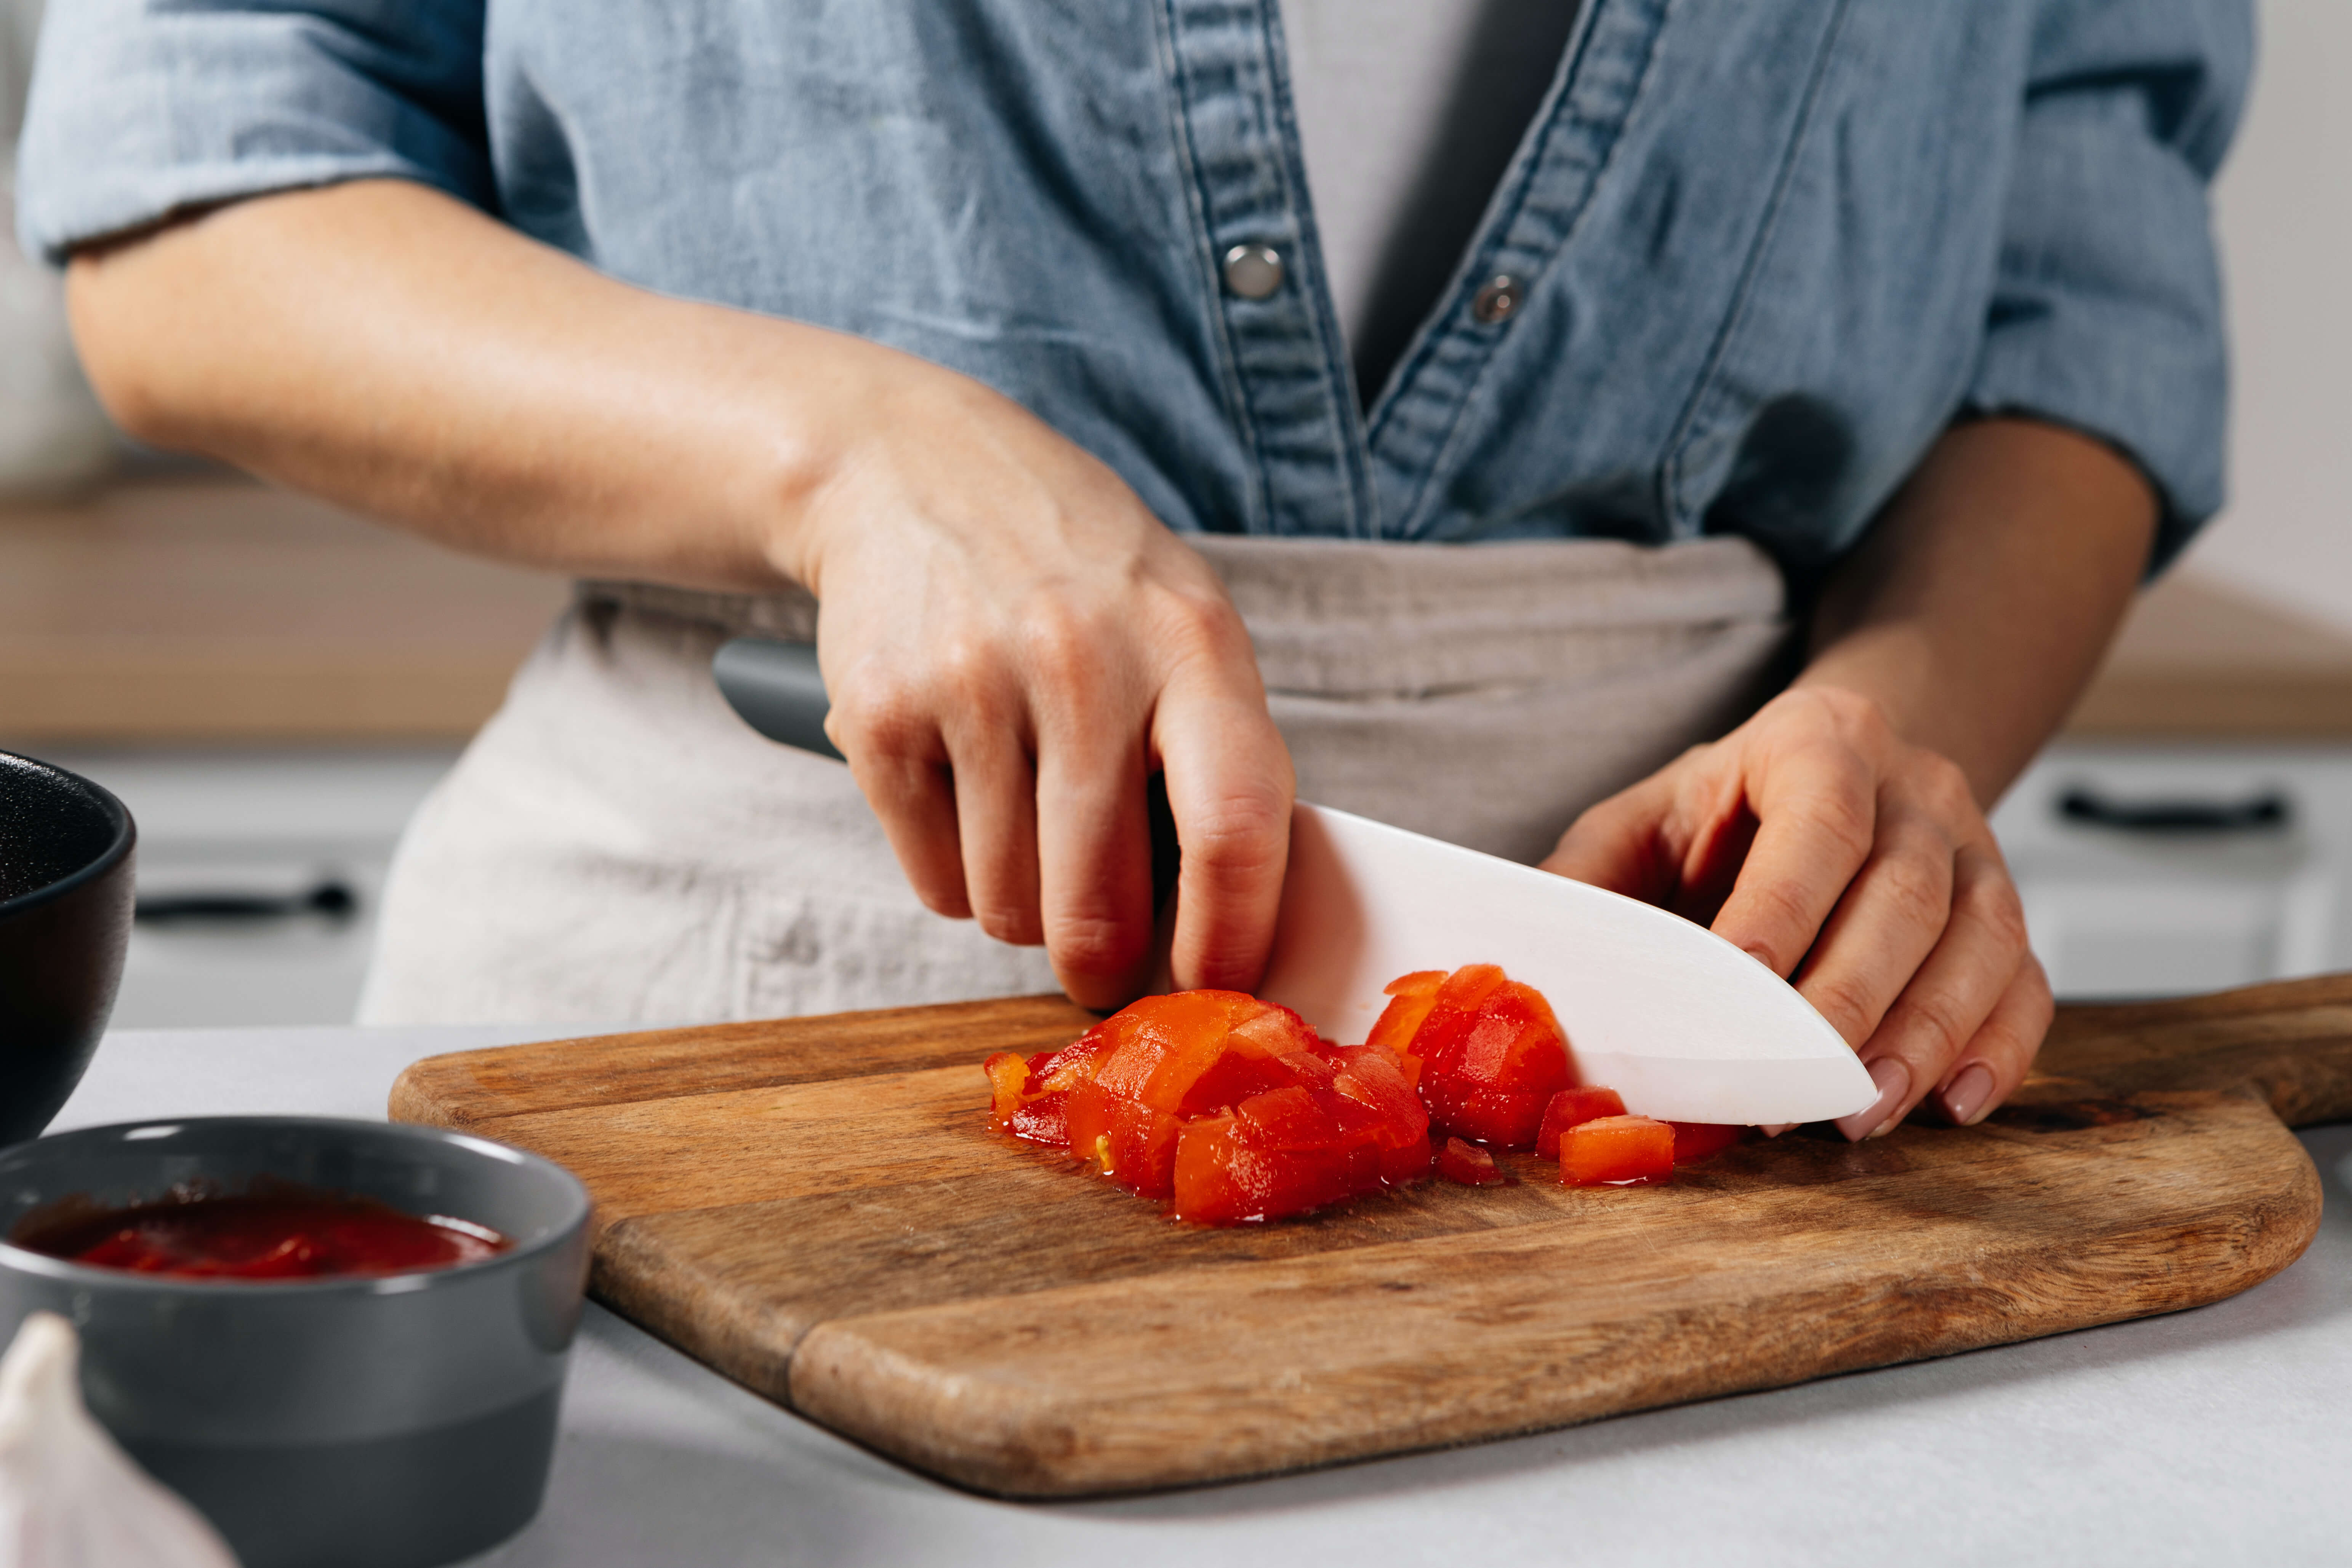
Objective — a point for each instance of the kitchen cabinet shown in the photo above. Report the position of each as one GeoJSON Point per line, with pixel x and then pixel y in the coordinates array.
{"type": "Point", "coordinates": [200, 609]}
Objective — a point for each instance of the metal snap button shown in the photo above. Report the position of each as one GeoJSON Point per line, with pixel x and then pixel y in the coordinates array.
{"type": "Point", "coordinates": [1497, 300]}
{"type": "Point", "coordinates": [1253, 271]}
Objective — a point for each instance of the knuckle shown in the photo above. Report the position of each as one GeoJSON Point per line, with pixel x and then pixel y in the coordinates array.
{"type": "Point", "coordinates": [1848, 817]}
{"type": "Point", "coordinates": [1939, 1014]}
{"type": "Point", "coordinates": [1240, 832]}
{"type": "Point", "coordinates": [1010, 923]}
{"type": "Point", "coordinates": [1918, 889]}
{"type": "Point", "coordinates": [1842, 1000]}
{"type": "Point", "coordinates": [1992, 904]}
{"type": "Point", "coordinates": [1201, 624]}
{"type": "Point", "coordinates": [1061, 646]}
{"type": "Point", "coordinates": [1780, 907]}
{"type": "Point", "coordinates": [1941, 787]}
{"type": "Point", "coordinates": [1097, 944]}
{"type": "Point", "coordinates": [880, 719]}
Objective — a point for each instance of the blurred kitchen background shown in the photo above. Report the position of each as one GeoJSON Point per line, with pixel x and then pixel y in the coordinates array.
{"type": "Point", "coordinates": [273, 686]}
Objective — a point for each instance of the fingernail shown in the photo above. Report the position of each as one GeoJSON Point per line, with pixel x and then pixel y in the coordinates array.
{"type": "Point", "coordinates": [1775, 1130]}
{"type": "Point", "coordinates": [1970, 1095]}
{"type": "Point", "coordinates": [1893, 1081]}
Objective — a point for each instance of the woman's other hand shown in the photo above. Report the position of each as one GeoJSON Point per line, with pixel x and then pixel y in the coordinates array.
{"type": "Point", "coordinates": [1840, 834]}
{"type": "Point", "coordinates": [1820, 842]}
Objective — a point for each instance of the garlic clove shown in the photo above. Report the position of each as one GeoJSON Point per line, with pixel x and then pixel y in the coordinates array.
{"type": "Point", "coordinates": [69, 1497]}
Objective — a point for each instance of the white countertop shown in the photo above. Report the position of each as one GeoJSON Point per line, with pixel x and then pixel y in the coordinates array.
{"type": "Point", "coordinates": [2213, 1437]}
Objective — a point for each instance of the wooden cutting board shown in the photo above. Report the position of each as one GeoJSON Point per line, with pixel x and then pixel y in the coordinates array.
{"type": "Point", "coordinates": [818, 1208]}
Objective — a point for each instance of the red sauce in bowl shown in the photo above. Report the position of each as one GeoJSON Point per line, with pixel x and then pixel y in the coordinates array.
{"type": "Point", "coordinates": [277, 1234]}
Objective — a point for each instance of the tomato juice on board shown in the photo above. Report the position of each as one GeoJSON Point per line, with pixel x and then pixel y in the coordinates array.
{"type": "Point", "coordinates": [279, 1231]}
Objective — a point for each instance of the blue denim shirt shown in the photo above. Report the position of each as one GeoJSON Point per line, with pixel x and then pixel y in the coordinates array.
{"type": "Point", "coordinates": [1764, 251]}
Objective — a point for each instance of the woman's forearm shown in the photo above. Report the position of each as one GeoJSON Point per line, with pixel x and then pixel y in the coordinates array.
{"type": "Point", "coordinates": [1980, 603]}
{"type": "Point", "coordinates": [392, 349]}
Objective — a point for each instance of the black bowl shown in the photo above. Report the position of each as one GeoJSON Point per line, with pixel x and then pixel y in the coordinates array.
{"type": "Point", "coordinates": [64, 919]}
{"type": "Point", "coordinates": [374, 1422]}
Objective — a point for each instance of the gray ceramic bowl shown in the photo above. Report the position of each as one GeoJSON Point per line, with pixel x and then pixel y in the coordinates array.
{"type": "Point", "coordinates": [391, 1421]}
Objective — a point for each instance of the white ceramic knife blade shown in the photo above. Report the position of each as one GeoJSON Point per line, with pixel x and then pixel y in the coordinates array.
{"type": "Point", "coordinates": [1679, 1022]}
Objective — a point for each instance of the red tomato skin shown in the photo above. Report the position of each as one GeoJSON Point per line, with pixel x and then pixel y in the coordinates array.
{"type": "Point", "coordinates": [1618, 1150]}
{"type": "Point", "coordinates": [1221, 1179]}
{"type": "Point", "coordinates": [1404, 1166]}
{"type": "Point", "coordinates": [1695, 1140]}
{"type": "Point", "coordinates": [1276, 1122]}
{"type": "Point", "coordinates": [1490, 1116]}
{"type": "Point", "coordinates": [1376, 1079]}
{"type": "Point", "coordinates": [1467, 1163]}
{"type": "Point", "coordinates": [1286, 1121]}
{"type": "Point", "coordinates": [1569, 1107]}
{"type": "Point", "coordinates": [1232, 1079]}
{"type": "Point", "coordinates": [1490, 1055]}
{"type": "Point", "coordinates": [1045, 1119]}
{"type": "Point", "coordinates": [1134, 1144]}
{"type": "Point", "coordinates": [1076, 1062]}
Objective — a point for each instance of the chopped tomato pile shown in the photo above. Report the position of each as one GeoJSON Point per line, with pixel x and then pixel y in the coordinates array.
{"type": "Point", "coordinates": [1235, 1109]}
{"type": "Point", "coordinates": [1232, 1107]}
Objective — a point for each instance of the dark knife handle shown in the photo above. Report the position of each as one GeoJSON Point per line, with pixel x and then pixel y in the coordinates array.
{"type": "Point", "coordinates": [777, 689]}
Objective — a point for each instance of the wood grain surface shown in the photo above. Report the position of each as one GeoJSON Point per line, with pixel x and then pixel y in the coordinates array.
{"type": "Point", "coordinates": [818, 1208]}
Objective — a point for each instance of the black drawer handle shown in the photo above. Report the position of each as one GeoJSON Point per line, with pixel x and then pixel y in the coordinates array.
{"type": "Point", "coordinates": [332, 900]}
{"type": "Point", "coordinates": [2264, 812]}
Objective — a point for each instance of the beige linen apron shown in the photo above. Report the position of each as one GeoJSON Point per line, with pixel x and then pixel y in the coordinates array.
{"type": "Point", "coordinates": [616, 846]}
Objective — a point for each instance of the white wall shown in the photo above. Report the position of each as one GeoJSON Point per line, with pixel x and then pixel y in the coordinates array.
{"type": "Point", "coordinates": [2285, 206]}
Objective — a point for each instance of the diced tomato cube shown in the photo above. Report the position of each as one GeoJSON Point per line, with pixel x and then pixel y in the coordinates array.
{"type": "Point", "coordinates": [1221, 1177]}
{"type": "Point", "coordinates": [1488, 1051]}
{"type": "Point", "coordinates": [1008, 1078]}
{"type": "Point", "coordinates": [1045, 1119]}
{"type": "Point", "coordinates": [1133, 1143]}
{"type": "Point", "coordinates": [1617, 1150]}
{"type": "Point", "coordinates": [1467, 1163]}
{"type": "Point", "coordinates": [1375, 1078]}
{"type": "Point", "coordinates": [1074, 1062]}
{"type": "Point", "coordinates": [1286, 1118]}
{"type": "Point", "coordinates": [1413, 995]}
{"type": "Point", "coordinates": [1232, 1079]}
{"type": "Point", "coordinates": [1407, 1164]}
{"type": "Point", "coordinates": [1569, 1107]}
{"type": "Point", "coordinates": [1699, 1140]}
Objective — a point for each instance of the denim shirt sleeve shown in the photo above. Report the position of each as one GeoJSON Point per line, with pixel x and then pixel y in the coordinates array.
{"type": "Point", "coordinates": [141, 107]}
{"type": "Point", "coordinates": [2107, 306]}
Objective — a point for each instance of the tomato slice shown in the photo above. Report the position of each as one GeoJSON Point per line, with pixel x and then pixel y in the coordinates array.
{"type": "Point", "coordinates": [1489, 1053]}
{"type": "Point", "coordinates": [1225, 1177]}
{"type": "Point", "coordinates": [1287, 1119]}
{"type": "Point", "coordinates": [1699, 1140]}
{"type": "Point", "coordinates": [1617, 1150]}
{"type": "Point", "coordinates": [1407, 1164]}
{"type": "Point", "coordinates": [1008, 1080]}
{"type": "Point", "coordinates": [1045, 1119]}
{"type": "Point", "coordinates": [1569, 1107]}
{"type": "Point", "coordinates": [1468, 1165]}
